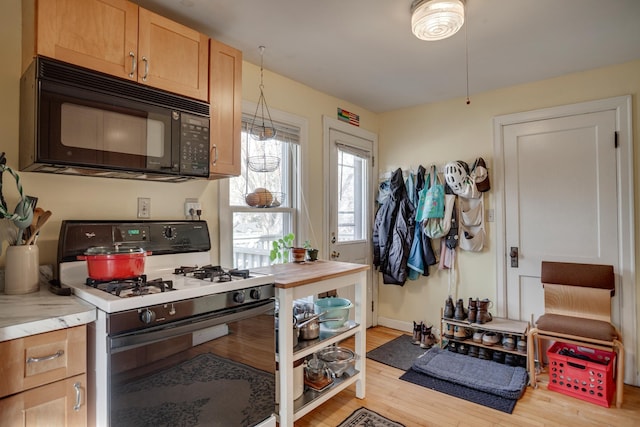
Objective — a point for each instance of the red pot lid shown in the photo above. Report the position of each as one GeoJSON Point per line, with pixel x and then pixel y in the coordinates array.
{"type": "Point", "coordinates": [114, 250]}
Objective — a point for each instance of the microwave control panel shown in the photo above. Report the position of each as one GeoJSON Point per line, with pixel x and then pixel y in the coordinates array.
{"type": "Point", "coordinates": [194, 145]}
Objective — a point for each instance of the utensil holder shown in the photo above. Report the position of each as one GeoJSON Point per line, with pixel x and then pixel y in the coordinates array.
{"type": "Point", "coordinates": [22, 270]}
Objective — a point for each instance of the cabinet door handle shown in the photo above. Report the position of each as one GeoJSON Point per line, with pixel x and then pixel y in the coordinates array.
{"type": "Point", "coordinates": [146, 68]}
{"type": "Point", "coordinates": [134, 64]}
{"type": "Point", "coordinates": [214, 154]}
{"type": "Point", "coordinates": [78, 388]}
{"type": "Point", "coordinates": [45, 358]}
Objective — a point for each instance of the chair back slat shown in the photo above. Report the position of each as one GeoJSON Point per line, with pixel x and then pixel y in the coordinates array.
{"type": "Point", "coordinates": [589, 303]}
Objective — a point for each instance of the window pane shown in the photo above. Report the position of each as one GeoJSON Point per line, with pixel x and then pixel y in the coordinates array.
{"type": "Point", "coordinates": [351, 196]}
{"type": "Point", "coordinates": [253, 233]}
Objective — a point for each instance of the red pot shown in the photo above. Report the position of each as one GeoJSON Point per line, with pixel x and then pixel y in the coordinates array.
{"type": "Point", "coordinates": [114, 262]}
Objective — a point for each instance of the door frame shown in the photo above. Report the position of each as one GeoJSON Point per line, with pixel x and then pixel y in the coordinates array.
{"type": "Point", "coordinates": [626, 216]}
{"type": "Point", "coordinates": [329, 123]}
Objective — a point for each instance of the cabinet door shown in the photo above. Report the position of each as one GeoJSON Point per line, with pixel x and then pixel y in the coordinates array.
{"type": "Point", "coordinates": [63, 403]}
{"type": "Point", "coordinates": [39, 359]}
{"type": "Point", "coordinates": [97, 34]}
{"type": "Point", "coordinates": [172, 57]}
{"type": "Point", "coordinates": [226, 109]}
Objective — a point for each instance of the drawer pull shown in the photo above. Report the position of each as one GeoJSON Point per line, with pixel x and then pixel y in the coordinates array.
{"type": "Point", "coordinates": [78, 404]}
{"type": "Point", "coordinates": [45, 358]}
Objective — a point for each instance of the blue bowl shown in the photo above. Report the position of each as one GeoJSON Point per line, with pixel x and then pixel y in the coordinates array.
{"type": "Point", "coordinates": [333, 308]}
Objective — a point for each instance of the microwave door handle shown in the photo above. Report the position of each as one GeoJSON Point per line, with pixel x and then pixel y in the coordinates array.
{"type": "Point", "coordinates": [134, 64]}
{"type": "Point", "coordinates": [214, 154]}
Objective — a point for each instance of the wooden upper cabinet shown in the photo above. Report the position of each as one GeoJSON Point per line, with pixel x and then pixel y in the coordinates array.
{"type": "Point", "coordinates": [172, 57]}
{"type": "Point", "coordinates": [98, 34]}
{"type": "Point", "coordinates": [226, 109]}
{"type": "Point", "coordinates": [119, 38]}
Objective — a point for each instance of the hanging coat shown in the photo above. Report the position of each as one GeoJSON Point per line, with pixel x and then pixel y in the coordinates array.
{"type": "Point", "coordinates": [421, 255]}
{"type": "Point", "coordinates": [393, 231]}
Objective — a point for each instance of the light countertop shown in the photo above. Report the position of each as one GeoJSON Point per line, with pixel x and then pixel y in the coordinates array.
{"type": "Point", "coordinates": [39, 312]}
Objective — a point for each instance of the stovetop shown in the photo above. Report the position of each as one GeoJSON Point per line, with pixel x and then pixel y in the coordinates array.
{"type": "Point", "coordinates": [182, 269]}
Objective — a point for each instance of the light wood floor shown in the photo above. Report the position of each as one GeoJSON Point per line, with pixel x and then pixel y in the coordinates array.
{"type": "Point", "coordinates": [413, 405]}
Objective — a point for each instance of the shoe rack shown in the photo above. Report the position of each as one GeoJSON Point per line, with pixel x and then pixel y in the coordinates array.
{"type": "Point", "coordinates": [517, 330]}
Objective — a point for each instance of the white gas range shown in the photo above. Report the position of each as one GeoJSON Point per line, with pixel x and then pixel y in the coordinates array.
{"type": "Point", "coordinates": [180, 295]}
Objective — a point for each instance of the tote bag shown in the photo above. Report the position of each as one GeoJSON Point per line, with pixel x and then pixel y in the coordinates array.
{"type": "Point", "coordinates": [439, 227]}
{"type": "Point", "coordinates": [432, 204]}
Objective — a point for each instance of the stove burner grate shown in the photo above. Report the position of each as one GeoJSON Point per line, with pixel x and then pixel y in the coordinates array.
{"type": "Point", "coordinates": [138, 285]}
{"type": "Point", "coordinates": [211, 272]}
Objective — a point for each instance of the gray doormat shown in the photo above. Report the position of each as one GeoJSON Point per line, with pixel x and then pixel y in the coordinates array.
{"type": "Point", "coordinates": [480, 397]}
{"type": "Point", "coordinates": [364, 417]}
{"type": "Point", "coordinates": [207, 390]}
{"type": "Point", "coordinates": [483, 375]}
{"type": "Point", "coordinates": [399, 353]}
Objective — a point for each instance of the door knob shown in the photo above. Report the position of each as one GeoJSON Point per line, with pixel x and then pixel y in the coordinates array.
{"type": "Point", "coordinates": [514, 256]}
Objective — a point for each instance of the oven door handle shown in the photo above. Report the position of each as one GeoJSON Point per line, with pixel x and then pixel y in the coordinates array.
{"type": "Point", "coordinates": [139, 338]}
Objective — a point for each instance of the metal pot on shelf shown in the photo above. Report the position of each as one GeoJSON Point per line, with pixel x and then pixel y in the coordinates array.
{"type": "Point", "coordinates": [310, 327]}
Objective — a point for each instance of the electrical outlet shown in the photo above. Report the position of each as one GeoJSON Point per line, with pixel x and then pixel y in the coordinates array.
{"type": "Point", "coordinates": [144, 207]}
{"type": "Point", "coordinates": [191, 207]}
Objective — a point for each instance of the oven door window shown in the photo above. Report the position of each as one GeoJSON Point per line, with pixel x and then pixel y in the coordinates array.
{"type": "Point", "coordinates": [107, 131]}
{"type": "Point", "coordinates": [222, 375]}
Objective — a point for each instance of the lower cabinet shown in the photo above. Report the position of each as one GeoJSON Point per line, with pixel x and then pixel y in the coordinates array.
{"type": "Point", "coordinates": [62, 403]}
{"type": "Point", "coordinates": [44, 379]}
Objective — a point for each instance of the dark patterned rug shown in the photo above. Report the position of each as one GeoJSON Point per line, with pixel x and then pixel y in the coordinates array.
{"type": "Point", "coordinates": [207, 390]}
{"type": "Point", "coordinates": [364, 417]}
{"type": "Point", "coordinates": [399, 353]}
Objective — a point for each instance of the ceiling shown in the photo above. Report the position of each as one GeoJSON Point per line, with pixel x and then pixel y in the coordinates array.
{"type": "Point", "coordinates": [362, 51]}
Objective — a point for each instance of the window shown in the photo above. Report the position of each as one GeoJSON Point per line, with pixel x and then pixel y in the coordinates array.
{"type": "Point", "coordinates": [247, 232]}
{"type": "Point", "coordinates": [352, 178]}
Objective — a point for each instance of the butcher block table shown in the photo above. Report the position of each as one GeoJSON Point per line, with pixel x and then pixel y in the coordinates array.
{"type": "Point", "coordinates": [299, 280]}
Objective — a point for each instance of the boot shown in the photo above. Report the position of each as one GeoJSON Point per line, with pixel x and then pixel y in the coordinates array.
{"type": "Point", "coordinates": [483, 315]}
{"type": "Point", "coordinates": [473, 310]}
{"type": "Point", "coordinates": [417, 332]}
{"type": "Point", "coordinates": [448, 308]}
{"type": "Point", "coordinates": [427, 339]}
{"type": "Point", "coordinates": [459, 313]}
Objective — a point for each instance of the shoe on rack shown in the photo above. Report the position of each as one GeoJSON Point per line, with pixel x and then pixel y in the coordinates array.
{"type": "Point", "coordinates": [459, 312]}
{"type": "Point", "coordinates": [472, 311]}
{"type": "Point", "coordinates": [448, 308]}
{"type": "Point", "coordinates": [483, 315]}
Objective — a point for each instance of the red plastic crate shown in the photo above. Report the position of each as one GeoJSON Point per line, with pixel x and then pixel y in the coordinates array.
{"type": "Point", "coordinates": [590, 380]}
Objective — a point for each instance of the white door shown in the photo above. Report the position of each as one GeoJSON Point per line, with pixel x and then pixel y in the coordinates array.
{"type": "Point", "coordinates": [350, 199]}
{"type": "Point", "coordinates": [560, 201]}
{"type": "Point", "coordinates": [565, 192]}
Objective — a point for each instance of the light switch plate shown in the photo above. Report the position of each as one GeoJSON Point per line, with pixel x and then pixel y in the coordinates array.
{"type": "Point", "coordinates": [144, 207]}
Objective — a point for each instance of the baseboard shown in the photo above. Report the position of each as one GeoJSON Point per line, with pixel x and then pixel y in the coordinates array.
{"type": "Point", "coordinates": [396, 324]}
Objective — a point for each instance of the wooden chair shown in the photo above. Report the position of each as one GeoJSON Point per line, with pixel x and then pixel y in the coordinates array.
{"type": "Point", "coordinates": [577, 304]}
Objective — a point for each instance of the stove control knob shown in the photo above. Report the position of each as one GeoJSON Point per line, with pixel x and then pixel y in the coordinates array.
{"type": "Point", "coordinates": [147, 316]}
{"type": "Point", "coordinates": [238, 297]}
{"type": "Point", "coordinates": [169, 233]}
{"type": "Point", "coordinates": [255, 293]}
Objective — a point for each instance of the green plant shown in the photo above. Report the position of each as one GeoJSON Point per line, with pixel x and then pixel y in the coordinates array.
{"type": "Point", "coordinates": [307, 245]}
{"type": "Point", "coordinates": [280, 249]}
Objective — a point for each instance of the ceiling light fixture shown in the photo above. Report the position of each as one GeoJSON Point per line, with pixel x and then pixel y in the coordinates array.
{"type": "Point", "coordinates": [436, 19]}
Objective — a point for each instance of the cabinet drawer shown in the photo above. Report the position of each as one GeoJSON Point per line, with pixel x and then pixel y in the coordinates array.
{"type": "Point", "coordinates": [62, 403]}
{"type": "Point", "coordinates": [41, 359]}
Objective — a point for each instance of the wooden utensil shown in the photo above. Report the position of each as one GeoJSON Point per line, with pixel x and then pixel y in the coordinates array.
{"type": "Point", "coordinates": [42, 220]}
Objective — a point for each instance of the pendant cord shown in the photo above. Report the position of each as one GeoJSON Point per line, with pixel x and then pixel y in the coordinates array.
{"type": "Point", "coordinates": [466, 48]}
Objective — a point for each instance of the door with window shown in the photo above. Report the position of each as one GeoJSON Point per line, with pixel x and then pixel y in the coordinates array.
{"type": "Point", "coordinates": [350, 197]}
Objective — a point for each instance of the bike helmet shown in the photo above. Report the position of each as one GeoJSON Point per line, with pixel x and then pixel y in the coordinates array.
{"type": "Point", "coordinates": [454, 175]}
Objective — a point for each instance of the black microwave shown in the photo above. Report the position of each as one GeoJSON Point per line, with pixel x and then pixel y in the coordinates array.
{"type": "Point", "coordinates": [78, 121]}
